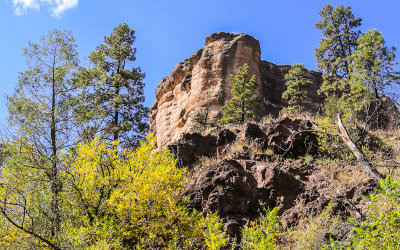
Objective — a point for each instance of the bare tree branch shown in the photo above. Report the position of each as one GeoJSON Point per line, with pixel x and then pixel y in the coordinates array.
{"type": "Point", "coordinates": [358, 153]}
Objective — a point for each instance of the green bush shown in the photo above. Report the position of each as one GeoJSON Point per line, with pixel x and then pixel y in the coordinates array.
{"type": "Point", "coordinates": [262, 233]}
{"type": "Point", "coordinates": [381, 229]}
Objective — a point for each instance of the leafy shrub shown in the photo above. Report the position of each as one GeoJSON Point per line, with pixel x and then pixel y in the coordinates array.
{"type": "Point", "coordinates": [381, 228]}
{"type": "Point", "coordinates": [262, 233]}
{"type": "Point", "coordinates": [214, 237]}
{"type": "Point", "coordinates": [132, 199]}
{"type": "Point", "coordinates": [329, 144]}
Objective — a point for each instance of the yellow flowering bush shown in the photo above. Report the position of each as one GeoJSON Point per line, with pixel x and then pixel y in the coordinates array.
{"type": "Point", "coordinates": [132, 198]}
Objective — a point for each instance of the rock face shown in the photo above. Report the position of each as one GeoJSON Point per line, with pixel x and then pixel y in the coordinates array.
{"type": "Point", "coordinates": [202, 80]}
{"type": "Point", "coordinates": [191, 147]}
{"type": "Point", "coordinates": [240, 189]}
{"type": "Point", "coordinates": [285, 136]}
{"type": "Point", "coordinates": [291, 136]}
{"type": "Point", "coordinates": [382, 113]}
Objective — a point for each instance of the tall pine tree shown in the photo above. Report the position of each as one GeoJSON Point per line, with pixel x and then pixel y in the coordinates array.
{"type": "Point", "coordinates": [242, 104]}
{"type": "Point", "coordinates": [112, 96]}
{"type": "Point", "coordinates": [339, 28]}
{"type": "Point", "coordinates": [296, 81]}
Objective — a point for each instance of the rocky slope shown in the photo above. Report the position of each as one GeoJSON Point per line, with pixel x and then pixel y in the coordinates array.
{"type": "Point", "coordinates": [240, 180]}
{"type": "Point", "coordinates": [239, 171]}
{"type": "Point", "coordinates": [202, 80]}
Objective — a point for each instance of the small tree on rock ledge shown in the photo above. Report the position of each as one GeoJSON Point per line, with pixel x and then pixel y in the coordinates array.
{"type": "Point", "coordinates": [242, 104]}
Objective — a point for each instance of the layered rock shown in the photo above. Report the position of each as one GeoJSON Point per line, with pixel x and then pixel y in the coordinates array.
{"type": "Point", "coordinates": [202, 80]}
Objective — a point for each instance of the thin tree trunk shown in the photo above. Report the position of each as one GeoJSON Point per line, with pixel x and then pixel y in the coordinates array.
{"type": "Point", "coordinates": [56, 221]}
{"type": "Point", "coordinates": [357, 152]}
{"type": "Point", "coordinates": [116, 111]}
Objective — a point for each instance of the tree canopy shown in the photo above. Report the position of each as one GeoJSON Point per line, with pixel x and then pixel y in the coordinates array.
{"type": "Point", "coordinates": [31, 192]}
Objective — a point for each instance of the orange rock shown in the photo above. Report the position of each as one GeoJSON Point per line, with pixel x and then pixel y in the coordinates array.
{"type": "Point", "coordinates": [203, 80]}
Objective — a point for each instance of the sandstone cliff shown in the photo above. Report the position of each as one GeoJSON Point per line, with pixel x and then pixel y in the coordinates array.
{"type": "Point", "coordinates": [203, 80]}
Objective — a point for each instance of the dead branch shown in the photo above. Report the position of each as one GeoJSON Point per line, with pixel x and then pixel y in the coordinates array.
{"type": "Point", "coordinates": [358, 153]}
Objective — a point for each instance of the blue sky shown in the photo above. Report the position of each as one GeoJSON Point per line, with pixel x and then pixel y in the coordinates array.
{"type": "Point", "coordinates": [169, 31]}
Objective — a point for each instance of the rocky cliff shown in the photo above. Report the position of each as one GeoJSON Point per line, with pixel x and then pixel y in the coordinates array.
{"type": "Point", "coordinates": [202, 80]}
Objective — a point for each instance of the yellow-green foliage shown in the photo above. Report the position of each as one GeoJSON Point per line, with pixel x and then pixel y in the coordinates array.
{"type": "Point", "coordinates": [262, 233]}
{"type": "Point", "coordinates": [311, 233]}
{"type": "Point", "coordinates": [215, 238]}
{"type": "Point", "coordinates": [24, 193]}
{"type": "Point", "coordinates": [132, 198]}
{"type": "Point", "coordinates": [330, 144]}
{"type": "Point", "coordinates": [112, 198]}
{"type": "Point", "coordinates": [381, 229]}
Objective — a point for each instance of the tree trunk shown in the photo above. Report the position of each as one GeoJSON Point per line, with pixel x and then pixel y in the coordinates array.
{"type": "Point", "coordinates": [55, 216]}
{"type": "Point", "coordinates": [357, 152]}
{"type": "Point", "coordinates": [116, 111]}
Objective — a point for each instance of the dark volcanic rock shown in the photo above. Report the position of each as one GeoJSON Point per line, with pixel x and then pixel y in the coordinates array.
{"type": "Point", "coordinates": [253, 132]}
{"type": "Point", "coordinates": [291, 136]}
{"type": "Point", "coordinates": [225, 136]}
{"type": "Point", "coordinates": [382, 114]}
{"type": "Point", "coordinates": [192, 146]}
{"type": "Point", "coordinates": [239, 190]}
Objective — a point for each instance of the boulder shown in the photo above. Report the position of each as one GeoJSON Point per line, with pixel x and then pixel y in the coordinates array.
{"type": "Point", "coordinates": [292, 136]}
{"type": "Point", "coordinates": [252, 132]}
{"type": "Point", "coordinates": [225, 137]}
{"type": "Point", "coordinates": [382, 113]}
{"type": "Point", "coordinates": [240, 189]}
{"type": "Point", "coordinates": [190, 147]}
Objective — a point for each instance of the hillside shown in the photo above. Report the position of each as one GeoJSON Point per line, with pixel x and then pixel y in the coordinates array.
{"type": "Point", "coordinates": [274, 160]}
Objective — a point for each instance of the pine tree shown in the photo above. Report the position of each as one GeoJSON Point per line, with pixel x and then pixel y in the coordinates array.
{"type": "Point", "coordinates": [373, 63]}
{"type": "Point", "coordinates": [111, 101]}
{"type": "Point", "coordinates": [339, 29]}
{"type": "Point", "coordinates": [242, 104]}
{"type": "Point", "coordinates": [296, 81]}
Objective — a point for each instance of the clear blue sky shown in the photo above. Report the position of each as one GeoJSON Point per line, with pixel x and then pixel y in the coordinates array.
{"type": "Point", "coordinates": [169, 31]}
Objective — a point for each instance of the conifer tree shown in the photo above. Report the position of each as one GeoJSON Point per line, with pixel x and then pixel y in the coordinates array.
{"type": "Point", "coordinates": [242, 104]}
{"type": "Point", "coordinates": [339, 28]}
{"type": "Point", "coordinates": [111, 101]}
{"type": "Point", "coordinates": [373, 63]}
{"type": "Point", "coordinates": [296, 81]}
